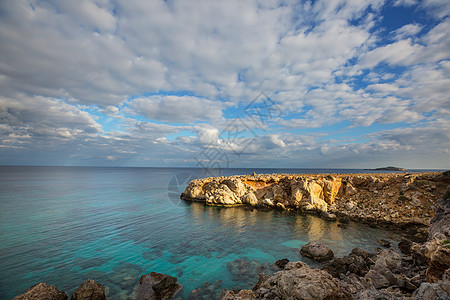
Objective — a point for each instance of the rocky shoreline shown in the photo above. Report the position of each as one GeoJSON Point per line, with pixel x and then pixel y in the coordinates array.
{"type": "Point", "coordinates": [389, 199]}
{"type": "Point", "coordinates": [419, 271]}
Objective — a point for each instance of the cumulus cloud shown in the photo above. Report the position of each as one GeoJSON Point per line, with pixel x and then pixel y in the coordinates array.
{"type": "Point", "coordinates": [177, 109]}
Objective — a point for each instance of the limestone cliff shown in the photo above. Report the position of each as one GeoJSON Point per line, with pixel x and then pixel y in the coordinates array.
{"type": "Point", "coordinates": [389, 198]}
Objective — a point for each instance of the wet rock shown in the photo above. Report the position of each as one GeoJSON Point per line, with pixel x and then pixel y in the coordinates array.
{"type": "Point", "coordinates": [405, 246]}
{"type": "Point", "coordinates": [89, 290]}
{"type": "Point", "coordinates": [157, 286]}
{"type": "Point", "coordinates": [281, 263]}
{"type": "Point", "coordinates": [298, 281]}
{"type": "Point", "coordinates": [328, 216]}
{"type": "Point", "coordinates": [384, 243]}
{"type": "Point", "coordinates": [317, 251]}
{"type": "Point", "coordinates": [42, 291]}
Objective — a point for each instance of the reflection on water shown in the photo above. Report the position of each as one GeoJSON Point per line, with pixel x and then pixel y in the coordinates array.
{"type": "Point", "coordinates": [65, 225]}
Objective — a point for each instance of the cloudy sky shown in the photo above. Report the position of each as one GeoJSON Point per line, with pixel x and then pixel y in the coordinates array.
{"type": "Point", "coordinates": [298, 84]}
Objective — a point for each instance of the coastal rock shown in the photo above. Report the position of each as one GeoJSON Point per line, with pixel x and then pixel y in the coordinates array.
{"type": "Point", "coordinates": [328, 216]}
{"type": "Point", "coordinates": [358, 262]}
{"type": "Point", "coordinates": [42, 291]}
{"type": "Point", "coordinates": [378, 199]}
{"type": "Point", "coordinates": [157, 286]}
{"type": "Point", "coordinates": [437, 248]}
{"type": "Point", "coordinates": [317, 251]}
{"type": "Point", "coordinates": [298, 281]}
{"type": "Point", "coordinates": [89, 290]}
{"type": "Point", "coordinates": [431, 291]}
{"type": "Point", "coordinates": [384, 243]}
{"type": "Point", "coordinates": [281, 263]}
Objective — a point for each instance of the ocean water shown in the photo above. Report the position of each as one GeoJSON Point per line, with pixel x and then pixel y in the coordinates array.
{"type": "Point", "coordinates": [63, 225]}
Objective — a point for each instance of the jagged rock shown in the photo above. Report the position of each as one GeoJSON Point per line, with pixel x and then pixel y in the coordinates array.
{"type": "Point", "coordinates": [157, 286]}
{"type": "Point", "coordinates": [381, 274]}
{"type": "Point", "coordinates": [405, 246]}
{"type": "Point", "coordinates": [357, 262]}
{"type": "Point", "coordinates": [317, 251]}
{"type": "Point", "coordinates": [42, 291]}
{"type": "Point", "coordinates": [89, 290]}
{"type": "Point", "coordinates": [384, 243]}
{"type": "Point", "coordinates": [281, 263]}
{"type": "Point", "coordinates": [430, 291]}
{"type": "Point", "coordinates": [298, 281]}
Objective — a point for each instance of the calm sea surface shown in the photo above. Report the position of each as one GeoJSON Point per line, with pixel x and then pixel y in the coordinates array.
{"type": "Point", "coordinates": [63, 225]}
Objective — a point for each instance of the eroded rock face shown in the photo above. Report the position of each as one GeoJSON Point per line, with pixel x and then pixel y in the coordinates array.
{"type": "Point", "coordinates": [89, 290]}
{"type": "Point", "coordinates": [42, 291]}
{"type": "Point", "coordinates": [157, 286]}
{"type": "Point", "coordinates": [400, 199]}
{"type": "Point", "coordinates": [317, 251]}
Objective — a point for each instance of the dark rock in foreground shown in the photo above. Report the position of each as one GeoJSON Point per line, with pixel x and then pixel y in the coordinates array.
{"type": "Point", "coordinates": [317, 251]}
{"type": "Point", "coordinates": [42, 291]}
{"type": "Point", "coordinates": [89, 290]}
{"type": "Point", "coordinates": [157, 286]}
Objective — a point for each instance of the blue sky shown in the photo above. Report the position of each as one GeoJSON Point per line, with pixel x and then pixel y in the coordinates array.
{"type": "Point", "coordinates": [296, 84]}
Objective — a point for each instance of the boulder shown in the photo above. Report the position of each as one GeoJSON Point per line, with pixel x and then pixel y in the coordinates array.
{"type": "Point", "coordinates": [157, 286]}
{"type": "Point", "coordinates": [298, 281]}
{"type": "Point", "coordinates": [89, 290]}
{"type": "Point", "coordinates": [317, 251]}
{"type": "Point", "coordinates": [328, 216]}
{"type": "Point", "coordinates": [42, 291]}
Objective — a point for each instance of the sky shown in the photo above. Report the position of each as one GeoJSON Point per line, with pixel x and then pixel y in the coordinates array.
{"type": "Point", "coordinates": [267, 84]}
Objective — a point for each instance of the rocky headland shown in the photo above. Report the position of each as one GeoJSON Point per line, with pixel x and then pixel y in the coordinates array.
{"type": "Point", "coordinates": [384, 199]}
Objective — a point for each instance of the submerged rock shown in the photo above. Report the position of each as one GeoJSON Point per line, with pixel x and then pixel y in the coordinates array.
{"type": "Point", "coordinates": [89, 290]}
{"type": "Point", "coordinates": [317, 251]}
{"type": "Point", "coordinates": [42, 291]}
{"type": "Point", "coordinates": [157, 286]}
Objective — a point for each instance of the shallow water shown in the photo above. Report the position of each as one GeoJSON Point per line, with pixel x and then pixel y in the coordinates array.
{"type": "Point", "coordinates": [63, 225]}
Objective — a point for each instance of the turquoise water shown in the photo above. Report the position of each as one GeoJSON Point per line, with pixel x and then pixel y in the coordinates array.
{"type": "Point", "coordinates": [63, 225]}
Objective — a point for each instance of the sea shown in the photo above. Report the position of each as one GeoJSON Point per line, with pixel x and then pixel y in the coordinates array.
{"type": "Point", "coordinates": [64, 225]}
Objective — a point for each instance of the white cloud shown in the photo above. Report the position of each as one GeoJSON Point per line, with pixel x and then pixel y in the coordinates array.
{"type": "Point", "coordinates": [408, 30]}
{"type": "Point", "coordinates": [177, 109]}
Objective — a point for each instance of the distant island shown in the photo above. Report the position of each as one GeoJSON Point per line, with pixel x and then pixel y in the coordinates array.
{"type": "Point", "coordinates": [390, 168]}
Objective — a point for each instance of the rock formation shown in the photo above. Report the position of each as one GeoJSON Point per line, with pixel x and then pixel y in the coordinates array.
{"type": "Point", "coordinates": [42, 291]}
{"type": "Point", "coordinates": [317, 251]}
{"type": "Point", "coordinates": [157, 286]}
{"type": "Point", "coordinates": [89, 290]}
{"type": "Point", "coordinates": [400, 199]}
